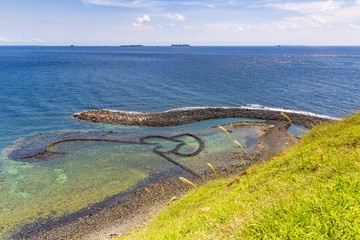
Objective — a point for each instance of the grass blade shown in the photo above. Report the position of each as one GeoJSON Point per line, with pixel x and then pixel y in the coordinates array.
{"type": "Point", "coordinates": [287, 118]}
{"type": "Point", "coordinates": [188, 182]}
{"type": "Point", "coordinates": [212, 168]}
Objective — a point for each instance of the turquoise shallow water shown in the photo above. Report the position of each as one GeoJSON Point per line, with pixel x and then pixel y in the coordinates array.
{"type": "Point", "coordinates": [33, 190]}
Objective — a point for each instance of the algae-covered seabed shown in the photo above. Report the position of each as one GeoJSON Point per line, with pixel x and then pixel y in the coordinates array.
{"type": "Point", "coordinates": [91, 172]}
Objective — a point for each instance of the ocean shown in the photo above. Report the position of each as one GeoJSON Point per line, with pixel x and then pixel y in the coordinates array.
{"type": "Point", "coordinates": [42, 86]}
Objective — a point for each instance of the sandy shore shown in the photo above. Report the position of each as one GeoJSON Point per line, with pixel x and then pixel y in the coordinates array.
{"type": "Point", "coordinates": [124, 214]}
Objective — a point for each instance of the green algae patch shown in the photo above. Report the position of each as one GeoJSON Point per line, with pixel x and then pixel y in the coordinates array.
{"type": "Point", "coordinates": [44, 193]}
{"type": "Point", "coordinates": [61, 176]}
{"type": "Point", "coordinates": [32, 192]}
{"type": "Point", "coordinates": [309, 192]}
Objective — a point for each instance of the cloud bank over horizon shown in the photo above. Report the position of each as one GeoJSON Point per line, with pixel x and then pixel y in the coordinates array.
{"type": "Point", "coordinates": [161, 22]}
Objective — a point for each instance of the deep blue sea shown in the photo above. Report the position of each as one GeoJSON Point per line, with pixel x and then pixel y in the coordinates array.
{"type": "Point", "coordinates": [42, 86]}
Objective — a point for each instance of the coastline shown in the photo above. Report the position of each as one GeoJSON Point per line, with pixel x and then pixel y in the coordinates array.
{"type": "Point", "coordinates": [319, 79]}
{"type": "Point", "coordinates": [120, 215]}
{"type": "Point", "coordinates": [182, 116]}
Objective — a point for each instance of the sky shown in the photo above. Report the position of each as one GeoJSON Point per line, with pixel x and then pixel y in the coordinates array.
{"type": "Point", "coordinates": [166, 22]}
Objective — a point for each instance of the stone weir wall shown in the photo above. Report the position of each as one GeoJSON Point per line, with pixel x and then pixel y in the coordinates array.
{"type": "Point", "coordinates": [179, 117]}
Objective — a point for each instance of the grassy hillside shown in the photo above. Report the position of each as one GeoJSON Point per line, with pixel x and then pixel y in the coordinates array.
{"type": "Point", "coordinates": [312, 191]}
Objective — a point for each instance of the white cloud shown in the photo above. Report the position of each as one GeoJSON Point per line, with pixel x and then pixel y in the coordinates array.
{"type": "Point", "coordinates": [284, 26]}
{"type": "Point", "coordinates": [317, 21]}
{"type": "Point", "coordinates": [349, 14]}
{"type": "Point", "coordinates": [193, 28]}
{"type": "Point", "coordinates": [294, 26]}
{"type": "Point", "coordinates": [20, 40]}
{"type": "Point", "coordinates": [5, 39]}
{"type": "Point", "coordinates": [305, 22]}
{"type": "Point", "coordinates": [169, 25]}
{"type": "Point", "coordinates": [228, 27]}
{"type": "Point", "coordinates": [330, 7]}
{"type": "Point", "coordinates": [329, 11]}
{"type": "Point", "coordinates": [353, 26]}
{"type": "Point", "coordinates": [280, 26]}
{"type": "Point", "coordinates": [308, 7]}
{"type": "Point", "coordinates": [141, 20]}
{"type": "Point", "coordinates": [238, 29]}
{"type": "Point", "coordinates": [176, 17]}
{"type": "Point", "coordinates": [37, 40]}
{"type": "Point", "coordinates": [317, 14]}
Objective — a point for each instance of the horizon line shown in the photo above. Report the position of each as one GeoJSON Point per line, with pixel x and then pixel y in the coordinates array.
{"type": "Point", "coordinates": [189, 45]}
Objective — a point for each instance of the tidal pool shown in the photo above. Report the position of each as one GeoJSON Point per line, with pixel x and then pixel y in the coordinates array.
{"type": "Point", "coordinates": [46, 188]}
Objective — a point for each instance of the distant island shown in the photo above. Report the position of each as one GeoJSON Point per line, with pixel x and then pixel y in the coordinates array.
{"type": "Point", "coordinates": [180, 45]}
{"type": "Point", "coordinates": [131, 45]}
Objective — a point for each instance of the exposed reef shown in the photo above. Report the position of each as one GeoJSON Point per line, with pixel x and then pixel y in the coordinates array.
{"type": "Point", "coordinates": [189, 115]}
{"type": "Point", "coordinates": [274, 139]}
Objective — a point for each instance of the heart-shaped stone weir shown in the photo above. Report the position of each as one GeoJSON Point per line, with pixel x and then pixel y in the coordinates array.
{"type": "Point", "coordinates": [174, 140]}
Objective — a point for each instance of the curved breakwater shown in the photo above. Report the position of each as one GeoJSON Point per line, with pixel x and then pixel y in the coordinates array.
{"type": "Point", "coordinates": [181, 116]}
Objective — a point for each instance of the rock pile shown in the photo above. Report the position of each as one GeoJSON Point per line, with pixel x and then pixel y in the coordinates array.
{"type": "Point", "coordinates": [179, 117]}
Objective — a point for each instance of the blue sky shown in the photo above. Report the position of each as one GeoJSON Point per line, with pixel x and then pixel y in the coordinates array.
{"type": "Point", "coordinates": [163, 22]}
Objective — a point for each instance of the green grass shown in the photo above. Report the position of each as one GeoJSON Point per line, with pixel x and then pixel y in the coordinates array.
{"type": "Point", "coordinates": [312, 191]}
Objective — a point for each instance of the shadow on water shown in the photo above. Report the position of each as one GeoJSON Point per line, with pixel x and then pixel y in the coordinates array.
{"type": "Point", "coordinates": [38, 186]}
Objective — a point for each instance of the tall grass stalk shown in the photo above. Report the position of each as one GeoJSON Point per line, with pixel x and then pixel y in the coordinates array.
{"type": "Point", "coordinates": [296, 131]}
{"type": "Point", "coordinates": [163, 191]}
{"type": "Point", "coordinates": [188, 182]}
{"type": "Point", "coordinates": [236, 145]}
{"type": "Point", "coordinates": [121, 213]}
{"type": "Point", "coordinates": [212, 168]}
{"type": "Point", "coordinates": [249, 155]}
{"type": "Point", "coordinates": [150, 194]}
{"type": "Point", "coordinates": [286, 117]}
